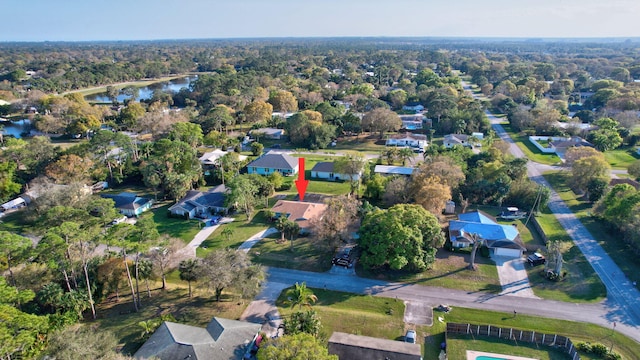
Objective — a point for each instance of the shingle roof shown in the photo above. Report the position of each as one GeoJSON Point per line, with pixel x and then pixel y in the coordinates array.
{"type": "Point", "coordinates": [299, 211]}
{"type": "Point", "coordinates": [275, 161]}
{"type": "Point", "coordinates": [323, 167]}
{"type": "Point", "coordinates": [222, 339]}
{"type": "Point", "coordinates": [214, 197]}
{"type": "Point", "coordinates": [127, 200]}
{"type": "Point", "coordinates": [349, 346]}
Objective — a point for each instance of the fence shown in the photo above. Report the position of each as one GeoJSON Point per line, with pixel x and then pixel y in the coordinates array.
{"type": "Point", "coordinates": [554, 340]}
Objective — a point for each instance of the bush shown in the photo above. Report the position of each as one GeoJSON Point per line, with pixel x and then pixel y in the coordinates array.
{"type": "Point", "coordinates": [599, 350]}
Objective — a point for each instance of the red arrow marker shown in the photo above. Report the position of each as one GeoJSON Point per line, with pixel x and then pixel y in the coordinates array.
{"type": "Point", "coordinates": [301, 183]}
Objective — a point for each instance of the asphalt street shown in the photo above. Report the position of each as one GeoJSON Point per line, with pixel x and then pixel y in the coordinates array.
{"type": "Point", "coordinates": [604, 314]}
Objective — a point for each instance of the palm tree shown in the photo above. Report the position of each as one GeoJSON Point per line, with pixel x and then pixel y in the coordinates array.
{"type": "Point", "coordinates": [405, 154]}
{"type": "Point", "coordinates": [300, 295]}
{"type": "Point", "coordinates": [228, 232]}
{"type": "Point", "coordinates": [477, 242]}
{"type": "Point", "coordinates": [189, 271]}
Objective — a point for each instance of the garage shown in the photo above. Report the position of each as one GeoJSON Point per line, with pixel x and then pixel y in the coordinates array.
{"type": "Point", "coordinates": [500, 251]}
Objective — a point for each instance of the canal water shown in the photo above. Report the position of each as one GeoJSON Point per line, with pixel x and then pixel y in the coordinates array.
{"type": "Point", "coordinates": [146, 92]}
{"type": "Point", "coordinates": [15, 128]}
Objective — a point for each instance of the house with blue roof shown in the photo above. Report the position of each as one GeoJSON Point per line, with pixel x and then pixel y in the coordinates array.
{"type": "Point", "coordinates": [502, 240]}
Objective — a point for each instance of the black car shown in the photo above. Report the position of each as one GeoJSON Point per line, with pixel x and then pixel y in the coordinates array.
{"type": "Point", "coordinates": [536, 259]}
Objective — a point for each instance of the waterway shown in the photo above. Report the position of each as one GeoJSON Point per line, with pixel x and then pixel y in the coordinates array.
{"type": "Point", "coordinates": [146, 92]}
{"type": "Point", "coordinates": [15, 128]}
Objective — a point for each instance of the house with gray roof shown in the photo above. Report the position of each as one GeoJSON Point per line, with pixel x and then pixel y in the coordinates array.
{"type": "Point", "coordinates": [325, 170]}
{"type": "Point", "coordinates": [349, 346]}
{"type": "Point", "coordinates": [130, 204]}
{"type": "Point", "coordinates": [201, 202]}
{"type": "Point", "coordinates": [502, 240]}
{"type": "Point", "coordinates": [222, 339]}
{"type": "Point", "coordinates": [271, 162]}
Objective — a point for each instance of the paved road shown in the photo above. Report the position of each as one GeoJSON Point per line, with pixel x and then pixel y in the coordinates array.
{"type": "Point", "coordinates": [622, 297]}
{"type": "Point", "coordinates": [601, 314]}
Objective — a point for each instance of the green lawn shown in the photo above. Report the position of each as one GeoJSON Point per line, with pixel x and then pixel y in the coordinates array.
{"type": "Point", "coordinates": [16, 222]}
{"type": "Point", "coordinates": [530, 150]}
{"type": "Point", "coordinates": [457, 345]}
{"type": "Point", "coordinates": [120, 319]}
{"type": "Point", "coordinates": [619, 252]}
{"type": "Point", "coordinates": [577, 331]}
{"type": "Point", "coordinates": [383, 317]}
{"type": "Point", "coordinates": [242, 230]}
{"type": "Point", "coordinates": [622, 157]}
{"type": "Point", "coordinates": [449, 271]}
{"type": "Point", "coordinates": [305, 254]}
{"type": "Point", "coordinates": [175, 227]}
{"type": "Point", "coordinates": [355, 314]}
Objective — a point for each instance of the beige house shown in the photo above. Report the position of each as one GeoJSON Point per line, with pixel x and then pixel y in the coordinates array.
{"type": "Point", "coordinates": [299, 211]}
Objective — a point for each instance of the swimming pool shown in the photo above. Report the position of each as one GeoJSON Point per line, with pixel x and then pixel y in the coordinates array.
{"type": "Point", "coordinates": [479, 355]}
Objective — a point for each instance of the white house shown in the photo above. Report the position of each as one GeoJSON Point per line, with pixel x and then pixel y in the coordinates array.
{"type": "Point", "coordinates": [13, 204]}
{"type": "Point", "coordinates": [408, 139]}
{"type": "Point", "coordinates": [325, 170]}
{"type": "Point", "coordinates": [210, 158]}
{"type": "Point", "coordinates": [388, 170]}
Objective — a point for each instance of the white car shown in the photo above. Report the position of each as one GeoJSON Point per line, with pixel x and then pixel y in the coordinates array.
{"type": "Point", "coordinates": [410, 337]}
{"type": "Point", "coordinates": [119, 220]}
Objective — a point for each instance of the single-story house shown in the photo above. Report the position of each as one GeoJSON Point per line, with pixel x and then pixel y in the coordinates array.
{"type": "Point", "coordinates": [324, 170]}
{"type": "Point", "coordinates": [472, 140]}
{"type": "Point", "coordinates": [201, 202]}
{"type": "Point", "coordinates": [210, 158]}
{"type": "Point", "coordinates": [16, 203]}
{"type": "Point", "coordinates": [502, 240]}
{"type": "Point", "coordinates": [130, 204]}
{"type": "Point", "coordinates": [349, 346]}
{"type": "Point", "coordinates": [390, 170]}
{"type": "Point", "coordinates": [222, 339]}
{"type": "Point", "coordinates": [271, 162]}
{"type": "Point", "coordinates": [299, 211]}
{"type": "Point", "coordinates": [408, 139]}
{"type": "Point", "coordinates": [268, 133]}
{"type": "Point", "coordinates": [412, 122]}
{"type": "Point", "coordinates": [557, 145]}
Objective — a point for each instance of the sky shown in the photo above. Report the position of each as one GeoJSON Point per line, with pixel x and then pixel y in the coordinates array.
{"type": "Point", "coordinates": [88, 20]}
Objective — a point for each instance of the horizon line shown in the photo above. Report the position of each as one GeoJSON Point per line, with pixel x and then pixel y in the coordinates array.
{"type": "Point", "coordinates": [445, 37]}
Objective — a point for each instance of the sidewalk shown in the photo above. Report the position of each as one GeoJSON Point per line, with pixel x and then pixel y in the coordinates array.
{"type": "Point", "coordinates": [248, 244]}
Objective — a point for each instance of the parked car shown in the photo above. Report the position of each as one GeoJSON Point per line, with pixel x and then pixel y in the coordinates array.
{"type": "Point", "coordinates": [536, 259]}
{"type": "Point", "coordinates": [119, 220]}
{"type": "Point", "coordinates": [410, 337]}
{"type": "Point", "coordinates": [343, 258]}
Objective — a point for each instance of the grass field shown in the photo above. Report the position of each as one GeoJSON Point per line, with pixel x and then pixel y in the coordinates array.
{"type": "Point", "coordinates": [612, 244]}
{"type": "Point", "coordinates": [622, 157]}
{"type": "Point", "coordinates": [530, 150]}
{"type": "Point", "coordinates": [457, 345]}
{"type": "Point", "coordinates": [383, 318]}
{"type": "Point", "coordinates": [242, 230]}
{"type": "Point", "coordinates": [305, 255]}
{"type": "Point", "coordinates": [355, 314]}
{"type": "Point", "coordinates": [451, 271]}
{"type": "Point", "coordinates": [175, 227]}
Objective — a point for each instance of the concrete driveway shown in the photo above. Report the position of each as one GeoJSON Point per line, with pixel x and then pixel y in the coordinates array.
{"type": "Point", "coordinates": [513, 277]}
